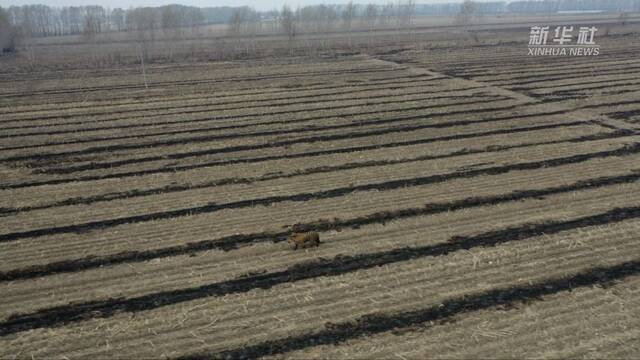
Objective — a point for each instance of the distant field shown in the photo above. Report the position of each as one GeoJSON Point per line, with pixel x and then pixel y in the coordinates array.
{"type": "Point", "coordinates": [472, 201]}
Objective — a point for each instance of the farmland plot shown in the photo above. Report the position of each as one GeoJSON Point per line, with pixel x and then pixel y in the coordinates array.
{"type": "Point", "coordinates": [462, 207]}
{"type": "Point", "coordinates": [606, 84]}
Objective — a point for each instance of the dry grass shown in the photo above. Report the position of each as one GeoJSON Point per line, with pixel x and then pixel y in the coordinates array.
{"type": "Point", "coordinates": [153, 223]}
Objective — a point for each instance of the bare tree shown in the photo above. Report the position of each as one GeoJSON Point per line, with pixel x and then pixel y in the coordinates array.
{"type": "Point", "coordinates": [170, 17]}
{"type": "Point", "coordinates": [369, 18]}
{"type": "Point", "coordinates": [118, 19]}
{"type": "Point", "coordinates": [236, 21]}
{"type": "Point", "coordinates": [143, 22]}
{"type": "Point", "coordinates": [288, 21]}
{"type": "Point", "coordinates": [388, 12]}
{"type": "Point", "coordinates": [317, 18]}
{"type": "Point", "coordinates": [244, 20]}
{"type": "Point", "coordinates": [406, 12]}
{"type": "Point", "coordinates": [288, 24]}
{"type": "Point", "coordinates": [141, 56]}
{"type": "Point", "coordinates": [348, 15]}
{"type": "Point", "coordinates": [91, 26]}
{"type": "Point", "coordinates": [75, 20]}
{"type": "Point", "coordinates": [309, 17]}
{"type": "Point", "coordinates": [467, 13]}
{"type": "Point", "coordinates": [330, 16]}
{"type": "Point", "coordinates": [25, 28]}
{"type": "Point", "coordinates": [42, 16]}
{"type": "Point", "coordinates": [94, 20]}
{"type": "Point", "coordinates": [8, 33]}
{"type": "Point", "coordinates": [370, 15]}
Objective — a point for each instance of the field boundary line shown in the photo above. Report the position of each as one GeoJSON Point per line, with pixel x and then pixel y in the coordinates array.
{"type": "Point", "coordinates": [234, 242]}
{"type": "Point", "coordinates": [375, 323]}
{"type": "Point", "coordinates": [212, 207]}
{"type": "Point", "coordinates": [65, 314]}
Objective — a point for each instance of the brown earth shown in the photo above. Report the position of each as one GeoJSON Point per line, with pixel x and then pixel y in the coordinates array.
{"type": "Point", "coordinates": [471, 201]}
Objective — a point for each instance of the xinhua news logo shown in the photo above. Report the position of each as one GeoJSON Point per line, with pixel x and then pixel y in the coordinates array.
{"type": "Point", "coordinates": [563, 43]}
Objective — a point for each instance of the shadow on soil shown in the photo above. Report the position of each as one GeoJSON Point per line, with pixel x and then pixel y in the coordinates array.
{"type": "Point", "coordinates": [375, 323]}
{"type": "Point", "coordinates": [324, 194]}
{"type": "Point", "coordinates": [617, 133]}
{"type": "Point", "coordinates": [236, 241]}
{"type": "Point", "coordinates": [65, 314]}
{"type": "Point", "coordinates": [174, 168]}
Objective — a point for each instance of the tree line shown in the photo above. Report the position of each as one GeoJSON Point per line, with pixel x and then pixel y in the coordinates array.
{"type": "Point", "coordinates": [42, 20]}
{"type": "Point", "coordinates": [8, 33]}
{"type": "Point", "coordinates": [553, 6]}
{"type": "Point", "coordinates": [323, 18]}
{"type": "Point", "coordinates": [28, 21]}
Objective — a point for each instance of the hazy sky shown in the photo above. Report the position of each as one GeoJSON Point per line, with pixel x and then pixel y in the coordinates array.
{"type": "Point", "coordinates": [258, 4]}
